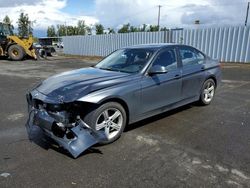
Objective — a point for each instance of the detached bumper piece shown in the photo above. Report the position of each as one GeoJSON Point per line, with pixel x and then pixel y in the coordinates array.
{"type": "Point", "coordinates": [75, 138]}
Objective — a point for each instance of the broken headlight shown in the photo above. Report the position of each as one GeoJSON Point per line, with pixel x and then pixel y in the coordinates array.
{"type": "Point", "coordinates": [54, 107]}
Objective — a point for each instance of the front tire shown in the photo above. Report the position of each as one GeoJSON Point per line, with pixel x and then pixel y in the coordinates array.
{"type": "Point", "coordinates": [16, 52]}
{"type": "Point", "coordinates": [207, 92]}
{"type": "Point", "coordinates": [110, 118]}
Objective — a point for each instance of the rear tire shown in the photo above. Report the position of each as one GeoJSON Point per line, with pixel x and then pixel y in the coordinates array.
{"type": "Point", "coordinates": [16, 52]}
{"type": "Point", "coordinates": [207, 92]}
{"type": "Point", "coordinates": [110, 118]}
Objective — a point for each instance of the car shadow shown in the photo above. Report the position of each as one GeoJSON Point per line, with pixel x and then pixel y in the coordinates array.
{"type": "Point", "coordinates": [3, 57]}
{"type": "Point", "coordinates": [158, 117]}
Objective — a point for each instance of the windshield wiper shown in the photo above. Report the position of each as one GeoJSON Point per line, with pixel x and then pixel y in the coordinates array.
{"type": "Point", "coordinates": [108, 68]}
{"type": "Point", "coordinates": [116, 70]}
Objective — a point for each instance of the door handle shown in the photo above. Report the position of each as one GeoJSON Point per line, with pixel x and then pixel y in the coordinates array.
{"type": "Point", "coordinates": [177, 76]}
{"type": "Point", "coordinates": [203, 67]}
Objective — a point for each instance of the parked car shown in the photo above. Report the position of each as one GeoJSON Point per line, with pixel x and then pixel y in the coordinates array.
{"type": "Point", "coordinates": [60, 45]}
{"type": "Point", "coordinates": [37, 45]}
{"type": "Point", "coordinates": [93, 105]}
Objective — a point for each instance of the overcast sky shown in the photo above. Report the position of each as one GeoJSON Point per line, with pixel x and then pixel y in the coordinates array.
{"type": "Point", "coordinates": [114, 13]}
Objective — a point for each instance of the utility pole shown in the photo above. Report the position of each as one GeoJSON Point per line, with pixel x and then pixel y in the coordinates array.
{"type": "Point", "coordinates": [66, 32]}
{"type": "Point", "coordinates": [159, 15]}
{"type": "Point", "coordinates": [248, 4]}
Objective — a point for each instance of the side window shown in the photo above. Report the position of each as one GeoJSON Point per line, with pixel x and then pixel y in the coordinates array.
{"type": "Point", "coordinates": [191, 56]}
{"type": "Point", "coordinates": [166, 59]}
{"type": "Point", "coordinates": [200, 57]}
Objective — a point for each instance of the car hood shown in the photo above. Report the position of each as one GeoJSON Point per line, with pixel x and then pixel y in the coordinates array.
{"type": "Point", "coordinates": [71, 85]}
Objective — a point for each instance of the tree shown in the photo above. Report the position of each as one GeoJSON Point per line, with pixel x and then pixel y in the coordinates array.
{"type": "Point", "coordinates": [134, 29]}
{"type": "Point", "coordinates": [143, 28]}
{"type": "Point", "coordinates": [164, 29]}
{"type": "Point", "coordinates": [89, 30]}
{"type": "Point", "coordinates": [51, 31]}
{"type": "Point", "coordinates": [99, 29]}
{"type": "Point", "coordinates": [61, 30]}
{"type": "Point", "coordinates": [24, 25]}
{"type": "Point", "coordinates": [124, 28]}
{"type": "Point", "coordinates": [111, 31]}
{"type": "Point", "coordinates": [153, 28]}
{"type": "Point", "coordinates": [81, 27]}
{"type": "Point", "coordinates": [75, 29]}
{"type": "Point", "coordinates": [6, 20]}
{"type": "Point", "coordinates": [71, 30]}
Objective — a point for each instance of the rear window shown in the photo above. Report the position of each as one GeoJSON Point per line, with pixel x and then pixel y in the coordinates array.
{"type": "Point", "coordinates": [191, 56]}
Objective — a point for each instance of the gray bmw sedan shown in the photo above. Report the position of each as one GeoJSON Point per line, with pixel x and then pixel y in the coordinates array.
{"type": "Point", "coordinates": [93, 105]}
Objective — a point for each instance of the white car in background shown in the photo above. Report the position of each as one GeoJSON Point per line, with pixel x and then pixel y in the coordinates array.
{"type": "Point", "coordinates": [60, 45]}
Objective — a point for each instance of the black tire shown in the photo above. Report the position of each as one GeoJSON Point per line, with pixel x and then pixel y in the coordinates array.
{"type": "Point", "coordinates": [203, 100]}
{"type": "Point", "coordinates": [16, 52]}
{"type": "Point", "coordinates": [92, 117]}
{"type": "Point", "coordinates": [37, 54]}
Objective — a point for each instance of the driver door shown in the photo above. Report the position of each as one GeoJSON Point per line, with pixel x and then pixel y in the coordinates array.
{"type": "Point", "coordinates": [164, 89]}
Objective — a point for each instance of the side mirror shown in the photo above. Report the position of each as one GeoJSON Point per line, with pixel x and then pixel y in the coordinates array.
{"type": "Point", "coordinates": [157, 69]}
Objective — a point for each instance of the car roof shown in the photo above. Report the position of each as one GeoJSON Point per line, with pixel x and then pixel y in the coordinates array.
{"type": "Point", "coordinates": [157, 46]}
{"type": "Point", "coordinates": [153, 45]}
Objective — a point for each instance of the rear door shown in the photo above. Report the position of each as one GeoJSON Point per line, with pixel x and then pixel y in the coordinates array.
{"type": "Point", "coordinates": [161, 90]}
{"type": "Point", "coordinates": [192, 71]}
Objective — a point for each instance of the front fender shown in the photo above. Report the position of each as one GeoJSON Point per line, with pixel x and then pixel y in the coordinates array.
{"type": "Point", "coordinates": [130, 94]}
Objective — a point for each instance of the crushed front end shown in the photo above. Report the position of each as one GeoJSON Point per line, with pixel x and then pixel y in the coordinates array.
{"type": "Point", "coordinates": [62, 122]}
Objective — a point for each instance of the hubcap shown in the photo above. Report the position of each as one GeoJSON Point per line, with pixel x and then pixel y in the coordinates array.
{"type": "Point", "coordinates": [208, 92]}
{"type": "Point", "coordinates": [15, 52]}
{"type": "Point", "coordinates": [110, 121]}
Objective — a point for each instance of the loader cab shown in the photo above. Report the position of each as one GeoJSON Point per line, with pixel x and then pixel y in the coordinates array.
{"type": "Point", "coordinates": [6, 29]}
{"type": "Point", "coordinates": [3, 39]}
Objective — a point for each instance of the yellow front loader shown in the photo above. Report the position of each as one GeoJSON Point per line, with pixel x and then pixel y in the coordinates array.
{"type": "Point", "coordinates": [14, 47]}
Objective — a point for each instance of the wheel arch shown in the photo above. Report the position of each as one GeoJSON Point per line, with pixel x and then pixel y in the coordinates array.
{"type": "Point", "coordinates": [9, 45]}
{"type": "Point", "coordinates": [119, 101]}
{"type": "Point", "coordinates": [213, 78]}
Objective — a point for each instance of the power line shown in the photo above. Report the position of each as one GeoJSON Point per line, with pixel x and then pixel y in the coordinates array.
{"type": "Point", "coordinates": [170, 5]}
{"type": "Point", "coordinates": [126, 17]}
{"type": "Point", "coordinates": [211, 4]}
{"type": "Point", "coordinates": [228, 3]}
{"type": "Point", "coordinates": [167, 5]}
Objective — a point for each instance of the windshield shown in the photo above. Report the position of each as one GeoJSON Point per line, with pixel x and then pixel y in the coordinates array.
{"type": "Point", "coordinates": [126, 60]}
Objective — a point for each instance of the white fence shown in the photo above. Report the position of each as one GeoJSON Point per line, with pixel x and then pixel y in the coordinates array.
{"type": "Point", "coordinates": [228, 44]}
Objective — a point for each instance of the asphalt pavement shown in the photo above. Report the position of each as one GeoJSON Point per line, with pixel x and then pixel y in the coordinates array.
{"type": "Point", "coordinates": [191, 146]}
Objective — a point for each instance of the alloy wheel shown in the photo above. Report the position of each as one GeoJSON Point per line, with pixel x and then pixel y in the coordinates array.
{"type": "Point", "coordinates": [208, 92]}
{"type": "Point", "coordinates": [110, 121]}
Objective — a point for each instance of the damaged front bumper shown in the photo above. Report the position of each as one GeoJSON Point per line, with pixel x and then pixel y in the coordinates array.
{"type": "Point", "coordinates": [75, 137]}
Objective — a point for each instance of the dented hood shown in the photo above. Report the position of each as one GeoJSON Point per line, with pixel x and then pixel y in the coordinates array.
{"type": "Point", "coordinates": [74, 84]}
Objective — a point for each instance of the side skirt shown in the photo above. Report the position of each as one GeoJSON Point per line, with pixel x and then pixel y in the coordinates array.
{"type": "Point", "coordinates": [164, 109]}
